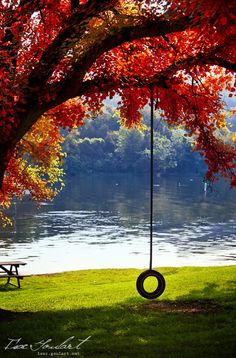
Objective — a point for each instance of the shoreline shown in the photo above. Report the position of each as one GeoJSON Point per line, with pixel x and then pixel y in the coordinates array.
{"type": "Point", "coordinates": [133, 269]}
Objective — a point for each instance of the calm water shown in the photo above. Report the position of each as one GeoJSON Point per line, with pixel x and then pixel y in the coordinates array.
{"type": "Point", "coordinates": [103, 221]}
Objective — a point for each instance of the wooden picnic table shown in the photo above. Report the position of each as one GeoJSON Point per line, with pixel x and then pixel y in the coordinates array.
{"type": "Point", "coordinates": [9, 270]}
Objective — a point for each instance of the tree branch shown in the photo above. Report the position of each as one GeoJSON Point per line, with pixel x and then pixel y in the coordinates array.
{"type": "Point", "coordinates": [150, 28]}
{"type": "Point", "coordinates": [74, 86]}
{"type": "Point", "coordinates": [158, 78]}
{"type": "Point", "coordinates": [65, 40]}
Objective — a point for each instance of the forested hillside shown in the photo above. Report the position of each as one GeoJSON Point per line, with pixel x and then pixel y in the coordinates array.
{"type": "Point", "coordinates": [104, 145]}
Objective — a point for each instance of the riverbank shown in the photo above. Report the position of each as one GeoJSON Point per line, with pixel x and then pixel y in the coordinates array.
{"type": "Point", "coordinates": [195, 317]}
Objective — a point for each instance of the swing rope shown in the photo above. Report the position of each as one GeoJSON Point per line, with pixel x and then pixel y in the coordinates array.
{"type": "Point", "coordinates": [151, 173]}
{"type": "Point", "coordinates": [151, 273]}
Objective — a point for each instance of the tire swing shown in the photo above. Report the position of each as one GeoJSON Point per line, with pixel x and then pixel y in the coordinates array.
{"type": "Point", "coordinates": [150, 272]}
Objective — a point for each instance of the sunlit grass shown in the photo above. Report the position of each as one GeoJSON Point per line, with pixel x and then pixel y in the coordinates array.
{"type": "Point", "coordinates": [105, 305]}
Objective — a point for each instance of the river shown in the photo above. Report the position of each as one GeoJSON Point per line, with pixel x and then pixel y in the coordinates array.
{"type": "Point", "coordinates": [102, 221]}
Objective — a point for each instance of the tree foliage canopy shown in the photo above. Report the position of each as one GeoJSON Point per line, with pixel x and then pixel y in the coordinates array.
{"type": "Point", "coordinates": [60, 59]}
{"type": "Point", "coordinates": [104, 145]}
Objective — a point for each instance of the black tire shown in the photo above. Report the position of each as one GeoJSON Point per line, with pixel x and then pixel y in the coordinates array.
{"type": "Point", "coordinates": [158, 291]}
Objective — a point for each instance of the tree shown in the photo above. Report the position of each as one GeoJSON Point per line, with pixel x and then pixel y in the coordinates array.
{"type": "Point", "coordinates": [60, 59]}
{"type": "Point", "coordinates": [104, 145]}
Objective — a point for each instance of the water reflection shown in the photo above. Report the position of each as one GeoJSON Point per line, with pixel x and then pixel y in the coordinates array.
{"type": "Point", "coordinates": [103, 221]}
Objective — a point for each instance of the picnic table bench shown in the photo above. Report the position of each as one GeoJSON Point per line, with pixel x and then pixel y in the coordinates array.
{"type": "Point", "coordinates": [9, 270]}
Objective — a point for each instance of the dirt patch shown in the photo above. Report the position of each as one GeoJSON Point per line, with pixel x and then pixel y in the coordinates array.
{"type": "Point", "coordinates": [188, 307]}
{"type": "Point", "coordinates": [6, 315]}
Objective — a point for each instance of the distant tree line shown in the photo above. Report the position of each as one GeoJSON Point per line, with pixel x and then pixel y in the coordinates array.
{"type": "Point", "coordinates": [104, 145]}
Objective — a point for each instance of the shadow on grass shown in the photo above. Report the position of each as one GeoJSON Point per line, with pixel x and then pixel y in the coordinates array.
{"type": "Point", "coordinates": [122, 331]}
{"type": "Point", "coordinates": [131, 328]}
{"type": "Point", "coordinates": [8, 287]}
{"type": "Point", "coordinates": [213, 291]}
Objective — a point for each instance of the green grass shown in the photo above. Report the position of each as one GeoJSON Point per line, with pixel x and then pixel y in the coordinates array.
{"type": "Point", "coordinates": [104, 304]}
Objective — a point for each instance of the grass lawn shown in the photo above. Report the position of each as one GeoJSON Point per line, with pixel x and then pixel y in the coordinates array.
{"type": "Point", "coordinates": [195, 317]}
